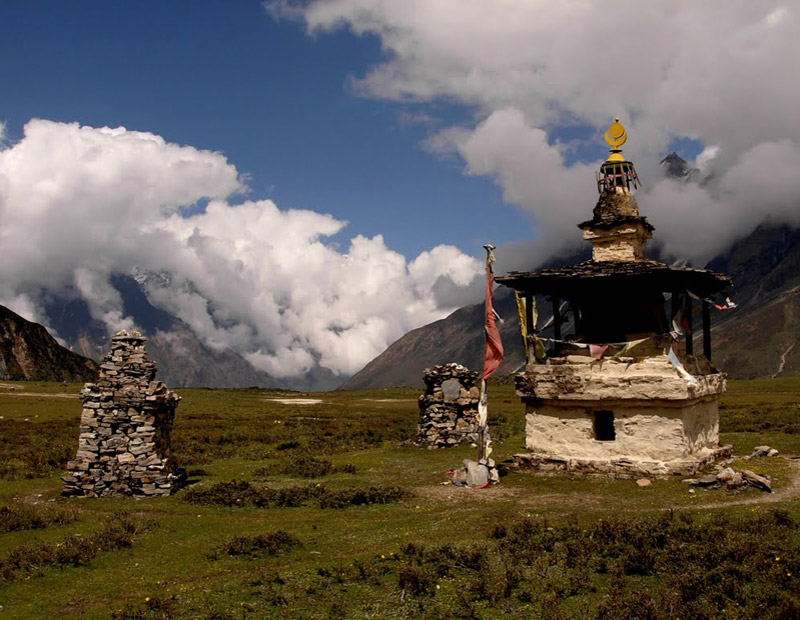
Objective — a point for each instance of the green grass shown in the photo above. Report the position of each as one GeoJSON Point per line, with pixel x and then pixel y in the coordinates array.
{"type": "Point", "coordinates": [763, 411]}
{"type": "Point", "coordinates": [307, 544]}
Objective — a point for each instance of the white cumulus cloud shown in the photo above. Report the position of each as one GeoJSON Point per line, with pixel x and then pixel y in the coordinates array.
{"type": "Point", "coordinates": [78, 204]}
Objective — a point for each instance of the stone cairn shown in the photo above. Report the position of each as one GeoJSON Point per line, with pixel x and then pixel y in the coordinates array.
{"type": "Point", "coordinates": [448, 415]}
{"type": "Point", "coordinates": [124, 445]}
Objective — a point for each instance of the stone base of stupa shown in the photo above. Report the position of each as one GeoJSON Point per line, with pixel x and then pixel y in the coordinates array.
{"type": "Point", "coordinates": [620, 417]}
{"type": "Point", "coordinates": [621, 467]}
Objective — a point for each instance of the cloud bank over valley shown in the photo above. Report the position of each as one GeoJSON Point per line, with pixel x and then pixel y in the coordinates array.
{"type": "Point", "coordinates": [79, 204]}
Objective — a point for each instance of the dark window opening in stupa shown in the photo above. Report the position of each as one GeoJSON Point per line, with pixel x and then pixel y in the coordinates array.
{"type": "Point", "coordinates": [603, 425]}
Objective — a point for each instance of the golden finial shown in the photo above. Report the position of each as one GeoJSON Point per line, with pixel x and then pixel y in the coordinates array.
{"type": "Point", "coordinates": [616, 137]}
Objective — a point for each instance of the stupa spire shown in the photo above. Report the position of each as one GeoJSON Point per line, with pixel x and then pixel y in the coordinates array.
{"type": "Point", "coordinates": [617, 231]}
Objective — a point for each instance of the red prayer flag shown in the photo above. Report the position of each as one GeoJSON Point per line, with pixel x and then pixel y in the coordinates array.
{"type": "Point", "coordinates": [597, 351]}
{"type": "Point", "coordinates": [493, 354]}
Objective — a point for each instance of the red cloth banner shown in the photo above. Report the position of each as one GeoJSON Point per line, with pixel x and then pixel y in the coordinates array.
{"type": "Point", "coordinates": [597, 351]}
{"type": "Point", "coordinates": [493, 354]}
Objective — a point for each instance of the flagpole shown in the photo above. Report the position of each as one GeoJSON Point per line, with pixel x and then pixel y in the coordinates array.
{"type": "Point", "coordinates": [493, 355]}
{"type": "Point", "coordinates": [483, 414]}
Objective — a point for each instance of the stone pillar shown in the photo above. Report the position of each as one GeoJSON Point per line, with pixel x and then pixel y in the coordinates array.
{"type": "Point", "coordinates": [124, 443]}
{"type": "Point", "coordinates": [448, 415]}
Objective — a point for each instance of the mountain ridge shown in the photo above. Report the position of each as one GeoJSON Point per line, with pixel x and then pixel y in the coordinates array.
{"type": "Point", "coordinates": [29, 353]}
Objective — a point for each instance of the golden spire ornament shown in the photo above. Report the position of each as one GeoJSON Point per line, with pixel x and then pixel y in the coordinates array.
{"type": "Point", "coordinates": [616, 137]}
{"type": "Point", "coordinates": [616, 174]}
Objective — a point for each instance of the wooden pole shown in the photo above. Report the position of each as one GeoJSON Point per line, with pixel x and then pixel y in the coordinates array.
{"type": "Point", "coordinates": [530, 328]}
{"type": "Point", "coordinates": [690, 324]}
{"type": "Point", "coordinates": [482, 405]}
{"type": "Point", "coordinates": [707, 330]}
{"type": "Point", "coordinates": [556, 319]}
{"type": "Point", "coordinates": [674, 308]}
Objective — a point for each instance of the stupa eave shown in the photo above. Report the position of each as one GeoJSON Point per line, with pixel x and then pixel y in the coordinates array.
{"type": "Point", "coordinates": [611, 222]}
{"type": "Point", "coordinates": [593, 275]}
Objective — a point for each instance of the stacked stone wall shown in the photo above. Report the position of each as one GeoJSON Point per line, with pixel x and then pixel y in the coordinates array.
{"type": "Point", "coordinates": [126, 422]}
{"type": "Point", "coordinates": [447, 420]}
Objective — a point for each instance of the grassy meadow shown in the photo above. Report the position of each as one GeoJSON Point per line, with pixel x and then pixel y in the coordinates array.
{"type": "Point", "coordinates": [320, 510]}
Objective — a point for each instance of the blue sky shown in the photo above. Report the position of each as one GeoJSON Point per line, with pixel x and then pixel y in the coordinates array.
{"type": "Point", "coordinates": [225, 76]}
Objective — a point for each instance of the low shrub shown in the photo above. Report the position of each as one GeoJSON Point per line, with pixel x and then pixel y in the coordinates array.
{"type": "Point", "coordinates": [153, 608]}
{"type": "Point", "coordinates": [304, 466]}
{"type": "Point", "coordinates": [26, 560]}
{"type": "Point", "coordinates": [360, 497]}
{"type": "Point", "coordinates": [241, 493]}
{"type": "Point", "coordinates": [256, 546]}
{"type": "Point", "coordinates": [196, 472]}
{"type": "Point", "coordinates": [417, 580]}
{"type": "Point", "coordinates": [33, 517]}
{"type": "Point", "coordinates": [675, 566]}
{"type": "Point", "coordinates": [232, 493]}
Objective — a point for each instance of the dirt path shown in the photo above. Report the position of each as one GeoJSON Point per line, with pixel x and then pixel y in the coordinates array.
{"type": "Point", "coordinates": [450, 493]}
{"type": "Point", "coordinates": [787, 493]}
{"type": "Point", "coordinates": [38, 395]}
{"type": "Point", "coordinates": [295, 401]}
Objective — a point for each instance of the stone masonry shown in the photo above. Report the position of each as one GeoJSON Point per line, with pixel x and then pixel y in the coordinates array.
{"type": "Point", "coordinates": [448, 410]}
{"type": "Point", "coordinates": [126, 422]}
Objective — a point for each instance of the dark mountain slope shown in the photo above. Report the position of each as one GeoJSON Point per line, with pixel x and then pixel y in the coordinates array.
{"type": "Point", "coordinates": [29, 353]}
{"type": "Point", "coordinates": [758, 338]}
{"type": "Point", "coordinates": [763, 265]}
{"type": "Point", "coordinates": [764, 342]}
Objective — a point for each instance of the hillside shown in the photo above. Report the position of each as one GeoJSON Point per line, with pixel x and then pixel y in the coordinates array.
{"type": "Point", "coordinates": [763, 264]}
{"type": "Point", "coordinates": [29, 353]}
{"type": "Point", "coordinates": [762, 342]}
{"type": "Point", "coordinates": [759, 338]}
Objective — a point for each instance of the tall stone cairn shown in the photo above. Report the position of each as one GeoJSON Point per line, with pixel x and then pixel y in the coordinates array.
{"type": "Point", "coordinates": [448, 420]}
{"type": "Point", "coordinates": [124, 445]}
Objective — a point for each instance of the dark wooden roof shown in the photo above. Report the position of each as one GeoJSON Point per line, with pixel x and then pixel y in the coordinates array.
{"type": "Point", "coordinates": [593, 277]}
